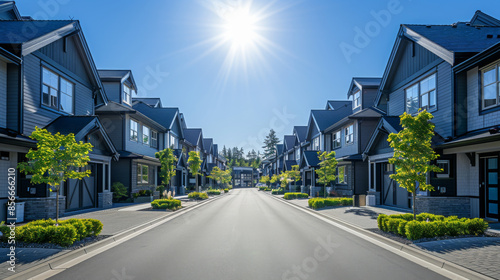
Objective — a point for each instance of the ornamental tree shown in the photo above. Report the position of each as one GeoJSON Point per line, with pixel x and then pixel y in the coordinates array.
{"type": "Point", "coordinates": [294, 175]}
{"type": "Point", "coordinates": [274, 179]}
{"type": "Point", "coordinates": [56, 159]}
{"type": "Point", "coordinates": [168, 163]}
{"type": "Point", "coordinates": [226, 177]}
{"type": "Point", "coordinates": [413, 153]}
{"type": "Point", "coordinates": [326, 173]}
{"type": "Point", "coordinates": [194, 162]}
{"type": "Point", "coordinates": [265, 179]}
{"type": "Point", "coordinates": [216, 174]}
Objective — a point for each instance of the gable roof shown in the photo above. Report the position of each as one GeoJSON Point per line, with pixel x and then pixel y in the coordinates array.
{"type": "Point", "coordinates": [114, 108]}
{"type": "Point", "coordinates": [151, 101]}
{"type": "Point", "coordinates": [164, 116]}
{"type": "Point", "coordinates": [482, 19]}
{"type": "Point", "coordinates": [193, 135]}
{"type": "Point", "coordinates": [309, 159]}
{"type": "Point", "coordinates": [289, 164]}
{"type": "Point", "coordinates": [336, 104]}
{"type": "Point", "coordinates": [300, 132]}
{"type": "Point", "coordinates": [81, 126]}
{"type": "Point", "coordinates": [363, 83]}
{"type": "Point", "coordinates": [279, 149]}
{"type": "Point", "coordinates": [289, 142]}
{"type": "Point", "coordinates": [323, 119]}
{"type": "Point", "coordinates": [207, 144]}
{"type": "Point", "coordinates": [117, 75]}
{"type": "Point", "coordinates": [10, 6]}
{"type": "Point", "coordinates": [44, 32]}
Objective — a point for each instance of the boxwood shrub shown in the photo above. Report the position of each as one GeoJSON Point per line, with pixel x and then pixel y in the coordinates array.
{"type": "Point", "coordinates": [429, 225]}
{"type": "Point", "coordinates": [197, 196]}
{"type": "Point", "coordinates": [226, 190]}
{"type": "Point", "coordinates": [278, 191]}
{"type": "Point", "coordinates": [213, 192]}
{"type": "Point", "coordinates": [47, 231]}
{"type": "Point", "coordinates": [317, 203]}
{"type": "Point", "coordinates": [264, 189]}
{"type": "Point", "coordinates": [289, 196]}
{"type": "Point", "coordinates": [170, 204]}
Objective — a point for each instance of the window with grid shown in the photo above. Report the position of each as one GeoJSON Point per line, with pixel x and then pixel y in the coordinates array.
{"type": "Point", "coordinates": [336, 140]}
{"type": "Point", "coordinates": [356, 97]}
{"type": "Point", "coordinates": [154, 139]}
{"type": "Point", "coordinates": [421, 95]}
{"type": "Point", "coordinates": [57, 92]}
{"type": "Point", "coordinates": [133, 131]}
{"type": "Point", "coordinates": [145, 135]}
{"type": "Point", "coordinates": [490, 84]}
{"type": "Point", "coordinates": [127, 94]}
{"type": "Point", "coordinates": [349, 134]}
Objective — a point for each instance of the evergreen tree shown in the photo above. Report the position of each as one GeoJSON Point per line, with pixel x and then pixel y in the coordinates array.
{"type": "Point", "coordinates": [270, 144]}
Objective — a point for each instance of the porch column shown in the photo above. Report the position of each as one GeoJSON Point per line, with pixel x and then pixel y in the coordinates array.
{"type": "Point", "coordinates": [370, 187]}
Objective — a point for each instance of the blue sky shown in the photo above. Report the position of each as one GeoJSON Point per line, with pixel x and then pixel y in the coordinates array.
{"type": "Point", "coordinates": [173, 49]}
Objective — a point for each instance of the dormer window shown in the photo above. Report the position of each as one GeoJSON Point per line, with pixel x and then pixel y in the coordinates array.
{"type": "Point", "coordinates": [356, 97]}
{"type": "Point", "coordinates": [127, 94]}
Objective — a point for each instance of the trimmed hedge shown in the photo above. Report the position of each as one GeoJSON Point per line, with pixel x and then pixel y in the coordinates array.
{"type": "Point", "coordinates": [226, 190]}
{"type": "Point", "coordinates": [264, 189]}
{"type": "Point", "coordinates": [213, 192]}
{"type": "Point", "coordinates": [198, 196]}
{"type": "Point", "coordinates": [317, 203]}
{"type": "Point", "coordinates": [289, 196]}
{"type": "Point", "coordinates": [428, 225]}
{"type": "Point", "coordinates": [278, 191]}
{"type": "Point", "coordinates": [47, 231]}
{"type": "Point", "coordinates": [171, 204]}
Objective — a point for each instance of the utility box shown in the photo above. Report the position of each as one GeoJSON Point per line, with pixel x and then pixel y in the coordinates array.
{"type": "Point", "coordinates": [371, 200]}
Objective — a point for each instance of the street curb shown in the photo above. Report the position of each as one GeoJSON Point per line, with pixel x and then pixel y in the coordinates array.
{"type": "Point", "coordinates": [64, 258]}
{"type": "Point", "coordinates": [437, 261]}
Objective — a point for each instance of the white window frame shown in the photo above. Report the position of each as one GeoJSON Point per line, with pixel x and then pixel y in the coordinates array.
{"type": "Point", "coordinates": [154, 138]}
{"type": "Point", "coordinates": [443, 174]}
{"type": "Point", "coordinates": [344, 178]}
{"type": "Point", "coordinates": [488, 68]}
{"type": "Point", "coordinates": [315, 144]}
{"type": "Point", "coordinates": [173, 141]}
{"type": "Point", "coordinates": [356, 98]}
{"type": "Point", "coordinates": [297, 154]}
{"type": "Point", "coordinates": [140, 173]}
{"type": "Point", "coordinates": [349, 135]}
{"type": "Point", "coordinates": [54, 94]}
{"type": "Point", "coordinates": [336, 138]}
{"type": "Point", "coordinates": [420, 94]}
{"type": "Point", "coordinates": [127, 94]}
{"type": "Point", "coordinates": [146, 136]}
{"type": "Point", "coordinates": [133, 132]}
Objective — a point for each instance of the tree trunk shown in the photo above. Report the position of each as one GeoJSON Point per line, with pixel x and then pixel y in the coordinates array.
{"type": "Point", "coordinates": [197, 183]}
{"type": "Point", "coordinates": [57, 205]}
{"type": "Point", "coordinates": [414, 205]}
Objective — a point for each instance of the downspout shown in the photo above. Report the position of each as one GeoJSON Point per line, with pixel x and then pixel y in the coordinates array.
{"type": "Point", "coordinates": [20, 112]}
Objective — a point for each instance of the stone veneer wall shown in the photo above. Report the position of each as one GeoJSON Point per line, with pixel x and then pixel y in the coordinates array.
{"type": "Point", "coordinates": [105, 200]}
{"type": "Point", "coordinates": [446, 206]}
{"type": "Point", "coordinates": [43, 207]}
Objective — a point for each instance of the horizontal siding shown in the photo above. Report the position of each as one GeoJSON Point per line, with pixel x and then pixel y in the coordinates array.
{"type": "Point", "coordinates": [137, 147]}
{"type": "Point", "coordinates": [474, 119]}
{"type": "Point", "coordinates": [71, 59]}
{"type": "Point", "coordinates": [34, 113]}
{"type": "Point", "coordinates": [3, 94]}
{"type": "Point", "coordinates": [351, 149]}
{"type": "Point", "coordinates": [396, 104]}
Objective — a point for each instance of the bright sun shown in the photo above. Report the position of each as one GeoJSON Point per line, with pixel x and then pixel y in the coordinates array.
{"type": "Point", "coordinates": [240, 28]}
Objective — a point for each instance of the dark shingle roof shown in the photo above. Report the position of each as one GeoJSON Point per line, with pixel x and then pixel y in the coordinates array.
{"type": "Point", "coordinates": [114, 107]}
{"type": "Point", "coordinates": [393, 121]}
{"type": "Point", "coordinates": [301, 132]}
{"type": "Point", "coordinates": [325, 118]}
{"type": "Point", "coordinates": [279, 149]}
{"type": "Point", "coordinates": [368, 82]}
{"type": "Point", "coordinates": [112, 74]}
{"type": "Point", "coordinates": [289, 164]}
{"type": "Point", "coordinates": [163, 116]}
{"type": "Point", "coordinates": [192, 135]}
{"type": "Point", "coordinates": [151, 101]}
{"type": "Point", "coordinates": [69, 124]}
{"type": "Point", "coordinates": [207, 142]}
{"type": "Point", "coordinates": [311, 158]}
{"type": "Point", "coordinates": [289, 142]}
{"type": "Point", "coordinates": [336, 104]}
{"type": "Point", "coordinates": [460, 37]}
{"type": "Point", "coordinates": [14, 31]}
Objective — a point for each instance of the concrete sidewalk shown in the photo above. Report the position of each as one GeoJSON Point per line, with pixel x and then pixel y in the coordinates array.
{"type": "Point", "coordinates": [115, 220]}
{"type": "Point", "coordinates": [480, 254]}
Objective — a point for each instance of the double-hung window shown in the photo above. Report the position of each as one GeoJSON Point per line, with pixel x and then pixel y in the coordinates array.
{"type": "Point", "coordinates": [154, 139]}
{"type": "Point", "coordinates": [421, 95]}
{"type": "Point", "coordinates": [133, 131]}
{"type": "Point", "coordinates": [336, 140]}
{"type": "Point", "coordinates": [315, 144]}
{"type": "Point", "coordinates": [356, 99]}
{"type": "Point", "coordinates": [349, 134]}
{"type": "Point", "coordinates": [341, 176]}
{"type": "Point", "coordinates": [145, 135]}
{"type": "Point", "coordinates": [173, 141]}
{"type": "Point", "coordinates": [490, 84]}
{"type": "Point", "coordinates": [142, 174]}
{"type": "Point", "coordinates": [57, 92]}
{"type": "Point", "coordinates": [127, 94]}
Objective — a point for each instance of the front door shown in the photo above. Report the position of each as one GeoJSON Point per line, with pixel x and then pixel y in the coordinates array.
{"type": "Point", "coordinates": [388, 190]}
{"type": "Point", "coordinates": [489, 186]}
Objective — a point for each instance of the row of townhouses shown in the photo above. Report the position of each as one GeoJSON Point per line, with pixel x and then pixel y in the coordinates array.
{"type": "Point", "coordinates": [48, 79]}
{"type": "Point", "coordinates": [452, 71]}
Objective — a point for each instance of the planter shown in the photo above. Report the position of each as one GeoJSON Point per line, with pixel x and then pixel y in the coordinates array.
{"type": "Point", "coordinates": [143, 199]}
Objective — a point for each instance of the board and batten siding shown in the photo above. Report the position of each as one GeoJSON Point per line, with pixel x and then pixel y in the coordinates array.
{"type": "Point", "coordinates": [113, 124]}
{"type": "Point", "coordinates": [70, 59]}
{"type": "Point", "coordinates": [34, 113]}
{"type": "Point", "coordinates": [3, 94]}
{"type": "Point", "coordinates": [12, 97]}
{"type": "Point", "coordinates": [474, 119]}
{"type": "Point", "coordinates": [443, 114]}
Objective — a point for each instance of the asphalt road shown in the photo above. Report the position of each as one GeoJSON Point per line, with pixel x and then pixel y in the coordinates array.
{"type": "Point", "coordinates": [246, 235]}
